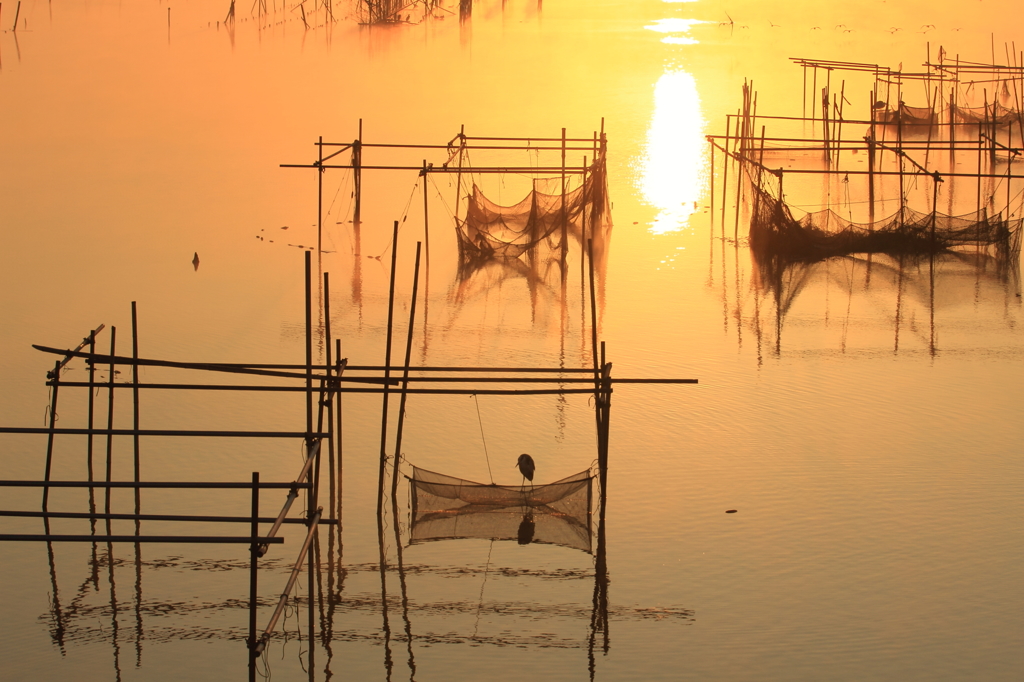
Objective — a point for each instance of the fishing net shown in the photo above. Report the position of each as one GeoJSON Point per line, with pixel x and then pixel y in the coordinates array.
{"type": "Point", "coordinates": [540, 224]}
{"type": "Point", "coordinates": [445, 507]}
{"type": "Point", "coordinates": [921, 116]}
{"type": "Point", "coordinates": [824, 233]}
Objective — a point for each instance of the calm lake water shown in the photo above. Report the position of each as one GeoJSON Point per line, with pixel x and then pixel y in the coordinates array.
{"type": "Point", "coordinates": [867, 431]}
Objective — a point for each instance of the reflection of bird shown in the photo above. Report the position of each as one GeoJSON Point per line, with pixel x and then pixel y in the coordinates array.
{"type": "Point", "coordinates": [526, 529]}
{"type": "Point", "coordinates": [526, 466]}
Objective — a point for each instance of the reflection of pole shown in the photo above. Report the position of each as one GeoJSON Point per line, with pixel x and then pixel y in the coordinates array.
{"type": "Point", "coordinates": [55, 608]}
{"type": "Point", "coordinates": [113, 607]}
{"type": "Point", "coordinates": [385, 625]}
{"type": "Point", "coordinates": [139, 634]}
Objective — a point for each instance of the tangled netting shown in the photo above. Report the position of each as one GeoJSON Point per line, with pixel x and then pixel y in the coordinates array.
{"type": "Point", "coordinates": [907, 115]}
{"type": "Point", "coordinates": [539, 224]}
{"type": "Point", "coordinates": [445, 507]}
{"type": "Point", "coordinates": [822, 234]}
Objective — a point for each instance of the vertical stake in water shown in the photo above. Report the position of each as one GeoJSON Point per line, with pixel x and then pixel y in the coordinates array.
{"type": "Point", "coordinates": [387, 376]}
{"type": "Point", "coordinates": [92, 408]}
{"type": "Point", "coordinates": [49, 440]}
{"type": "Point", "coordinates": [405, 382]}
{"type": "Point", "coordinates": [337, 356]}
{"type": "Point", "coordinates": [565, 215]}
{"type": "Point", "coordinates": [309, 353]}
{"type": "Point", "coordinates": [135, 418]}
{"type": "Point", "coordinates": [319, 198]}
{"type": "Point", "coordinates": [332, 384]}
{"type": "Point", "coordinates": [254, 553]}
{"type": "Point", "coordinates": [110, 419]}
{"type": "Point", "coordinates": [357, 180]}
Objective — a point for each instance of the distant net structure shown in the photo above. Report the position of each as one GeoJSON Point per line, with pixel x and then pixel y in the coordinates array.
{"type": "Point", "coordinates": [539, 227]}
{"type": "Point", "coordinates": [905, 114]}
{"type": "Point", "coordinates": [446, 507]}
{"type": "Point", "coordinates": [825, 233]}
{"type": "Point", "coordinates": [901, 179]}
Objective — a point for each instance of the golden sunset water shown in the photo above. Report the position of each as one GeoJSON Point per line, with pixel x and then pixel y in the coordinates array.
{"type": "Point", "coordinates": [863, 423]}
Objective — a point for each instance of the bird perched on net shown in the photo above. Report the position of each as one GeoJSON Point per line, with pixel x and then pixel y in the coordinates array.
{"type": "Point", "coordinates": [526, 468]}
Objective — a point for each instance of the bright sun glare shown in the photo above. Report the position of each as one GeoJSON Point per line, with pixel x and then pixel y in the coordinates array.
{"type": "Point", "coordinates": [672, 164]}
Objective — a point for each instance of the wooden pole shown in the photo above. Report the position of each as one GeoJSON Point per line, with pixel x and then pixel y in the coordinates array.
{"type": "Point", "coordinates": [340, 442]}
{"type": "Point", "coordinates": [331, 383]}
{"type": "Point", "coordinates": [458, 174]}
{"type": "Point", "coordinates": [426, 216]}
{"type": "Point", "coordinates": [309, 348]}
{"type": "Point", "coordinates": [319, 198]}
{"type": "Point", "coordinates": [110, 417]}
{"type": "Point", "coordinates": [92, 407]}
{"type": "Point", "coordinates": [565, 217]}
{"type": "Point", "coordinates": [405, 381]}
{"type": "Point", "coordinates": [254, 553]}
{"type": "Point", "coordinates": [725, 170]}
{"type": "Point", "coordinates": [387, 375]}
{"type": "Point", "coordinates": [357, 178]}
{"type": "Point", "coordinates": [135, 403]}
{"type": "Point", "coordinates": [49, 440]}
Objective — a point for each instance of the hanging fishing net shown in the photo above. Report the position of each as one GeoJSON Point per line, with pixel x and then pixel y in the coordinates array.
{"type": "Point", "coordinates": [445, 507]}
{"type": "Point", "coordinates": [822, 234]}
{"type": "Point", "coordinates": [923, 116]}
{"type": "Point", "coordinates": [540, 225]}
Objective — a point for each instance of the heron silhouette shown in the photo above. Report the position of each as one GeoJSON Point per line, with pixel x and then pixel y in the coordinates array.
{"type": "Point", "coordinates": [526, 467]}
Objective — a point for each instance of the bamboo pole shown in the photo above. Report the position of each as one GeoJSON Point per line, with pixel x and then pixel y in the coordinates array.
{"type": "Point", "coordinates": [135, 404]}
{"type": "Point", "coordinates": [320, 198]}
{"type": "Point", "coordinates": [283, 599]}
{"type": "Point", "coordinates": [405, 380]}
{"type": "Point", "coordinates": [357, 177]}
{"type": "Point", "coordinates": [89, 420]}
{"type": "Point", "coordinates": [387, 375]}
{"type": "Point", "coordinates": [52, 431]}
{"type": "Point", "coordinates": [725, 170]}
{"type": "Point", "coordinates": [325, 399]}
{"type": "Point", "coordinates": [254, 554]}
{"type": "Point", "coordinates": [564, 216]}
{"type": "Point", "coordinates": [110, 418]}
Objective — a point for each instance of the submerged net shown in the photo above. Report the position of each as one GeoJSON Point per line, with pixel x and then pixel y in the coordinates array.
{"type": "Point", "coordinates": [823, 234]}
{"type": "Point", "coordinates": [538, 225]}
{"type": "Point", "coordinates": [445, 507]}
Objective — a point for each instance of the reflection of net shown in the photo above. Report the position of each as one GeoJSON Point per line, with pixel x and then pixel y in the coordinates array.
{"type": "Point", "coordinates": [535, 225]}
{"type": "Point", "coordinates": [822, 234]}
{"type": "Point", "coordinates": [445, 507]}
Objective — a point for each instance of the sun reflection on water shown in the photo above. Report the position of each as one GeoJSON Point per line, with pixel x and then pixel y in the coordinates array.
{"type": "Point", "coordinates": [676, 25]}
{"type": "Point", "coordinates": [672, 166]}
